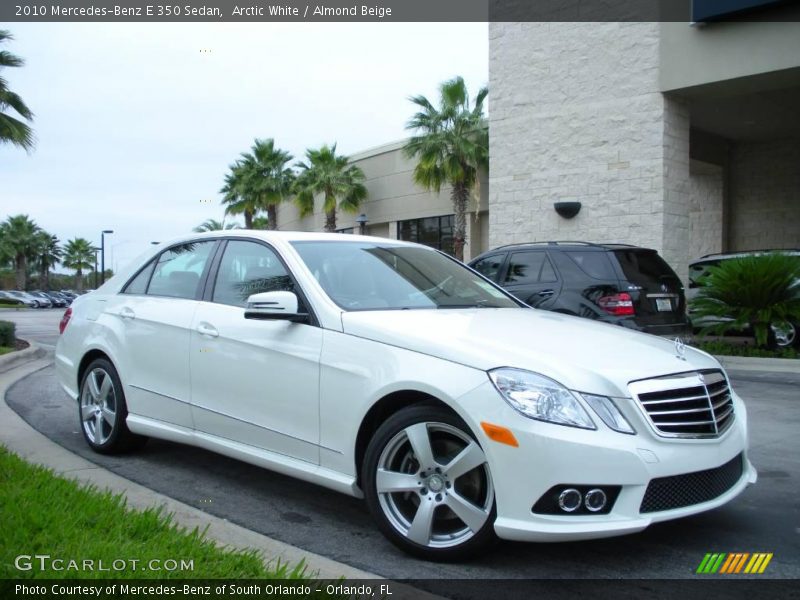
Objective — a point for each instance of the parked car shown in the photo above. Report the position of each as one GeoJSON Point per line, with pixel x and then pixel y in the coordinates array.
{"type": "Point", "coordinates": [390, 371]}
{"type": "Point", "coordinates": [9, 299]}
{"type": "Point", "coordinates": [787, 334]}
{"type": "Point", "coordinates": [613, 283]}
{"type": "Point", "coordinates": [69, 294]}
{"type": "Point", "coordinates": [27, 299]}
{"type": "Point", "coordinates": [64, 297]}
{"type": "Point", "coordinates": [44, 300]}
{"type": "Point", "coordinates": [55, 298]}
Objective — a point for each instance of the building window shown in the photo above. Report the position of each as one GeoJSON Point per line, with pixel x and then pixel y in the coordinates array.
{"type": "Point", "coordinates": [350, 230]}
{"type": "Point", "coordinates": [436, 232]}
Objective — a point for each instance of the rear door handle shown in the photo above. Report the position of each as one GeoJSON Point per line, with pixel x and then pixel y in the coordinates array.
{"type": "Point", "coordinates": [207, 329]}
{"type": "Point", "coordinates": [544, 293]}
{"type": "Point", "coordinates": [127, 313]}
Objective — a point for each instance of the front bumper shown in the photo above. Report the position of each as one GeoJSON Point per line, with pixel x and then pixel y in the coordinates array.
{"type": "Point", "coordinates": [550, 455]}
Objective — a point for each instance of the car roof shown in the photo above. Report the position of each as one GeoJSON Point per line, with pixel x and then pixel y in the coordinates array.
{"type": "Point", "coordinates": [743, 253]}
{"type": "Point", "coordinates": [284, 236]}
{"type": "Point", "coordinates": [576, 245]}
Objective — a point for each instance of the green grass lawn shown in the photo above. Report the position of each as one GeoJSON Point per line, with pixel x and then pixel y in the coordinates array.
{"type": "Point", "coordinates": [41, 513]}
{"type": "Point", "coordinates": [723, 348]}
{"type": "Point", "coordinates": [5, 350]}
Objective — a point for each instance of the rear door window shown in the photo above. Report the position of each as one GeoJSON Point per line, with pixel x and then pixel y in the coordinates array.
{"type": "Point", "coordinates": [178, 270]}
{"type": "Point", "coordinates": [525, 267]}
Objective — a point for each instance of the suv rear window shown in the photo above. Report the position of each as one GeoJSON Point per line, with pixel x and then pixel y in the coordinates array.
{"type": "Point", "coordinates": [644, 266]}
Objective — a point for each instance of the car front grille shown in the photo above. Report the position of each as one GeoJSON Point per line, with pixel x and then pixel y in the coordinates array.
{"type": "Point", "coordinates": [698, 404]}
{"type": "Point", "coordinates": [678, 491]}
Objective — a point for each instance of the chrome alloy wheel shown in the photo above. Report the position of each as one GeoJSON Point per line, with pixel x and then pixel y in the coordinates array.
{"type": "Point", "coordinates": [785, 334]}
{"type": "Point", "coordinates": [434, 485]}
{"type": "Point", "coordinates": [98, 406]}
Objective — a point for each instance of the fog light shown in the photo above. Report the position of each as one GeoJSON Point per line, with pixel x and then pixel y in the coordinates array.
{"type": "Point", "coordinates": [595, 500]}
{"type": "Point", "coordinates": [570, 500]}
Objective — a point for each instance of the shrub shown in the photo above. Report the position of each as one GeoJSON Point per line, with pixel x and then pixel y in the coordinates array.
{"type": "Point", "coordinates": [753, 290]}
{"type": "Point", "coordinates": [7, 335]}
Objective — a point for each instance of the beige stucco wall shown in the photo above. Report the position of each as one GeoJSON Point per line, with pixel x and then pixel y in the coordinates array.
{"type": "Point", "coordinates": [765, 195]}
{"type": "Point", "coordinates": [705, 215]}
{"type": "Point", "coordinates": [392, 196]}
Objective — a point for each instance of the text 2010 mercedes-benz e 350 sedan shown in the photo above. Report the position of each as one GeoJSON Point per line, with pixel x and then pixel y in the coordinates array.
{"type": "Point", "coordinates": [388, 370]}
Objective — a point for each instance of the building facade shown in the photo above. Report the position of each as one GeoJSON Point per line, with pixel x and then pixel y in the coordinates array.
{"type": "Point", "coordinates": [684, 138]}
{"type": "Point", "coordinates": [680, 137]}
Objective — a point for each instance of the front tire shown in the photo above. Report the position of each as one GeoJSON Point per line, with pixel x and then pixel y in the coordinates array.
{"type": "Point", "coordinates": [103, 411]}
{"type": "Point", "coordinates": [784, 334]}
{"type": "Point", "coordinates": [428, 485]}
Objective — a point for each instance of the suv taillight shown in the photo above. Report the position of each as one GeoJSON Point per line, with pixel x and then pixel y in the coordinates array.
{"type": "Point", "coordinates": [64, 320]}
{"type": "Point", "coordinates": [619, 305]}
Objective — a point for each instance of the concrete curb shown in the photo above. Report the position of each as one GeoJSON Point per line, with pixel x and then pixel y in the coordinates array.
{"type": "Point", "coordinates": [13, 359]}
{"type": "Point", "coordinates": [745, 363]}
{"type": "Point", "coordinates": [24, 440]}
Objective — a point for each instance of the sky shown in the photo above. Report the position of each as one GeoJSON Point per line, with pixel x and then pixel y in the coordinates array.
{"type": "Point", "coordinates": [136, 124]}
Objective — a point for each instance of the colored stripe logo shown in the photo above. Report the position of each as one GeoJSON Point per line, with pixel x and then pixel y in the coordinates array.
{"type": "Point", "coordinates": [734, 563]}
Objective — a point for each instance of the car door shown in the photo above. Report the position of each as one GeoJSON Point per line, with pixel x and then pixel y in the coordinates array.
{"type": "Point", "coordinates": [531, 277]}
{"type": "Point", "coordinates": [254, 381]}
{"type": "Point", "coordinates": [155, 311]}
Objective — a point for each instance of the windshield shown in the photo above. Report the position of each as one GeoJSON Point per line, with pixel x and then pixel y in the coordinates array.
{"type": "Point", "coordinates": [376, 276]}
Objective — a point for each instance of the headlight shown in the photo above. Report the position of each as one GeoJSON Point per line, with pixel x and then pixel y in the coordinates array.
{"type": "Point", "coordinates": [609, 413]}
{"type": "Point", "coordinates": [540, 398]}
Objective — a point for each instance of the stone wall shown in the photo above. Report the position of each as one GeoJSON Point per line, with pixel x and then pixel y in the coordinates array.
{"type": "Point", "coordinates": [765, 195]}
{"type": "Point", "coordinates": [576, 113]}
{"type": "Point", "coordinates": [705, 214]}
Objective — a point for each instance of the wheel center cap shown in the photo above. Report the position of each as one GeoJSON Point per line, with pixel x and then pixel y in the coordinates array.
{"type": "Point", "coordinates": [435, 483]}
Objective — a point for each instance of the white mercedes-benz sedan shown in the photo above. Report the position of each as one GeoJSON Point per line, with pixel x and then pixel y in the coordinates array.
{"type": "Point", "coordinates": [390, 371]}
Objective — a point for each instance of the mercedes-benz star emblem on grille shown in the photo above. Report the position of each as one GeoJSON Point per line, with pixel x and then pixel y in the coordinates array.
{"type": "Point", "coordinates": [680, 348]}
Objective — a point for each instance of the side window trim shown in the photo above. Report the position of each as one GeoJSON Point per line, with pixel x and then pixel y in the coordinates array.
{"type": "Point", "coordinates": [211, 279]}
{"type": "Point", "coordinates": [203, 275]}
{"type": "Point", "coordinates": [148, 265]}
{"type": "Point", "coordinates": [553, 268]}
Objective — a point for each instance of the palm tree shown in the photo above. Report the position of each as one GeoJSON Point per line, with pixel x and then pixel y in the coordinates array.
{"type": "Point", "coordinates": [48, 253]}
{"type": "Point", "coordinates": [12, 130]}
{"type": "Point", "coordinates": [79, 255]}
{"type": "Point", "coordinates": [451, 145]}
{"type": "Point", "coordinates": [268, 178]}
{"type": "Point", "coordinates": [214, 225]}
{"type": "Point", "coordinates": [18, 235]}
{"type": "Point", "coordinates": [239, 198]}
{"type": "Point", "coordinates": [341, 184]}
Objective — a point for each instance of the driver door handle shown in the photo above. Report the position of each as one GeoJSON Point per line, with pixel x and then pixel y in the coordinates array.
{"type": "Point", "coordinates": [207, 329]}
{"type": "Point", "coordinates": [127, 313]}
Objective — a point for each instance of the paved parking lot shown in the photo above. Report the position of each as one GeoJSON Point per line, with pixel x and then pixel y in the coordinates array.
{"type": "Point", "coordinates": [766, 518]}
{"type": "Point", "coordinates": [38, 324]}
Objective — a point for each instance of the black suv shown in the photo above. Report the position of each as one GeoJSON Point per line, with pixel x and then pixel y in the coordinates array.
{"type": "Point", "coordinates": [615, 283]}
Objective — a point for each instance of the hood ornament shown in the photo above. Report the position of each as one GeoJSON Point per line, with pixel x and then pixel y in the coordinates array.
{"type": "Point", "coordinates": [680, 349]}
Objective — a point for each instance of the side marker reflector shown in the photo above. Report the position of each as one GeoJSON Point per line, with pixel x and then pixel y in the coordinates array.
{"type": "Point", "coordinates": [499, 434]}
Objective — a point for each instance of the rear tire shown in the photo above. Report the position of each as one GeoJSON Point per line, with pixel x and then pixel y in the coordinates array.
{"type": "Point", "coordinates": [784, 335]}
{"type": "Point", "coordinates": [102, 411]}
{"type": "Point", "coordinates": [428, 485]}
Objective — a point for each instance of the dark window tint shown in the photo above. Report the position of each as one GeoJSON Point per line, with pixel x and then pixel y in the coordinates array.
{"type": "Point", "coordinates": [249, 268]}
{"type": "Point", "coordinates": [594, 264]}
{"type": "Point", "coordinates": [524, 267]}
{"type": "Point", "coordinates": [548, 272]}
{"type": "Point", "coordinates": [489, 266]}
{"type": "Point", "coordinates": [138, 285]}
{"type": "Point", "coordinates": [436, 232]}
{"type": "Point", "coordinates": [644, 266]}
{"type": "Point", "coordinates": [178, 270]}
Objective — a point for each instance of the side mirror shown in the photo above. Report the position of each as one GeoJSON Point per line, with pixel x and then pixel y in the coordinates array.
{"type": "Point", "coordinates": [274, 306]}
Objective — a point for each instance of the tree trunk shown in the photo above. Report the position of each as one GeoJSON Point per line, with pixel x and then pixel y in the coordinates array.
{"type": "Point", "coordinates": [248, 219]}
{"type": "Point", "coordinates": [21, 264]}
{"type": "Point", "coordinates": [78, 280]}
{"type": "Point", "coordinates": [44, 279]}
{"type": "Point", "coordinates": [330, 220]}
{"type": "Point", "coordinates": [460, 196]}
{"type": "Point", "coordinates": [272, 217]}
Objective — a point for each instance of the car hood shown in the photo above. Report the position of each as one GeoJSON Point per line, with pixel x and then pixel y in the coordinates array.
{"type": "Point", "coordinates": [581, 354]}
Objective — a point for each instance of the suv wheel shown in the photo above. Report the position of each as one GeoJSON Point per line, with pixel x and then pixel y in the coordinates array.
{"type": "Point", "coordinates": [785, 334]}
{"type": "Point", "coordinates": [428, 485]}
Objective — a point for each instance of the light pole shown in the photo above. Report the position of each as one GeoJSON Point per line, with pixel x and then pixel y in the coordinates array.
{"type": "Point", "coordinates": [361, 221]}
{"type": "Point", "coordinates": [103, 254]}
{"type": "Point", "coordinates": [96, 250]}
